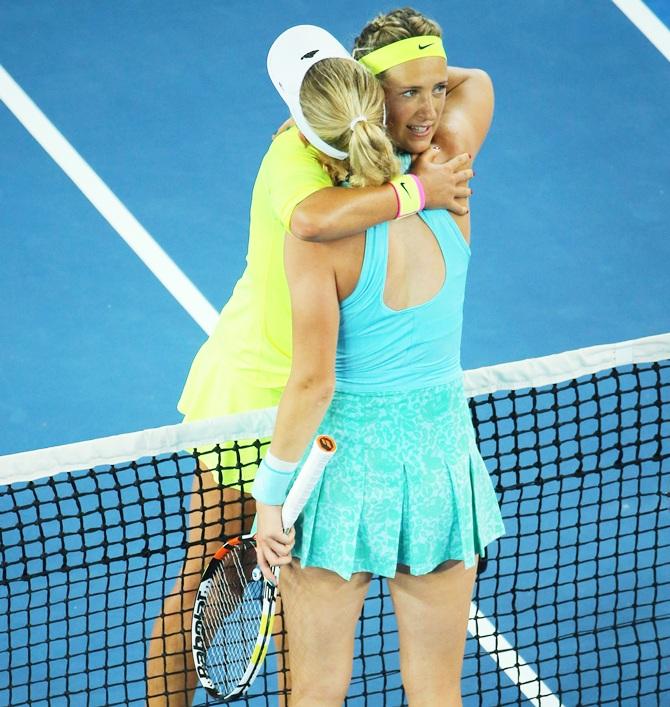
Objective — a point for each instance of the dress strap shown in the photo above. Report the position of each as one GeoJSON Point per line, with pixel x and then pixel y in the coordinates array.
{"type": "Point", "coordinates": [372, 279]}
{"type": "Point", "coordinates": [377, 240]}
{"type": "Point", "coordinates": [447, 233]}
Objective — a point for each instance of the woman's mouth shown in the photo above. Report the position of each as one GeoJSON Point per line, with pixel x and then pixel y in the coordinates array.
{"type": "Point", "coordinates": [420, 130]}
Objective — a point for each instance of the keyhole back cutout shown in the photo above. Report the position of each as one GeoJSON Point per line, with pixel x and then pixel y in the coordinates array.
{"type": "Point", "coordinates": [416, 270]}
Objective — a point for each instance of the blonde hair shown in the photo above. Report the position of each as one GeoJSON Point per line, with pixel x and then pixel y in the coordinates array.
{"type": "Point", "coordinates": [392, 27]}
{"type": "Point", "coordinates": [333, 94]}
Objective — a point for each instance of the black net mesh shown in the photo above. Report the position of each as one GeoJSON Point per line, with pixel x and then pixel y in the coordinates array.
{"type": "Point", "coordinates": [574, 600]}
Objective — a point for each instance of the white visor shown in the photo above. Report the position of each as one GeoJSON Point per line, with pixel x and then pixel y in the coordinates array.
{"type": "Point", "coordinates": [290, 57]}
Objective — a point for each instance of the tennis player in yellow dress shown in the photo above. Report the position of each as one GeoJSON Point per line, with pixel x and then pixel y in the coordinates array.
{"type": "Point", "coordinates": [246, 362]}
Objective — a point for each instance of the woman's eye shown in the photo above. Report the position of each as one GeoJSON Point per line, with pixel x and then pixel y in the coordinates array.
{"type": "Point", "coordinates": [440, 88]}
{"type": "Point", "coordinates": [409, 93]}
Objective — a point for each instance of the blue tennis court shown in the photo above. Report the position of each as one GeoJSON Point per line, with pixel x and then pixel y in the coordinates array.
{"type": "Point", "coordinates": [125, 231]}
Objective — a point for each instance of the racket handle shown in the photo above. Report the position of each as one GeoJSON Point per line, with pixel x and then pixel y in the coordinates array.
{"type": "Point", "coordinates": [321, 453]}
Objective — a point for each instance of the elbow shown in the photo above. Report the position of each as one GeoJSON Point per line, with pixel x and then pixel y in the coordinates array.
{"type": "Point", "coordinates": [318, 387]}
{"type": "Point", "coordinates": [480, 79]}
{"type": "Point", "coordinates": [482, 76]}
{"type": "Point", "coordinates": [307, 225]}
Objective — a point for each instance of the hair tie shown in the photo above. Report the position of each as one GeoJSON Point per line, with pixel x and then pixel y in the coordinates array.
{"type": "Point", "coordinates": [357, 119]}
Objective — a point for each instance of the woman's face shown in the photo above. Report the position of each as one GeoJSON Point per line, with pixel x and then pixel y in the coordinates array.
{"type": "Point", "coordinates": [415, 93]}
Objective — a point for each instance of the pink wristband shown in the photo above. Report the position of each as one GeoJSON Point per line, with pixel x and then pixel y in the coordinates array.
{"type": "Point", "coordinates": [422, 193]}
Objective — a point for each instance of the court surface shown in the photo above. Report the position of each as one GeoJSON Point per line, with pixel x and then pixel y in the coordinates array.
{"type": "Point", "coordinates": [170, 105]}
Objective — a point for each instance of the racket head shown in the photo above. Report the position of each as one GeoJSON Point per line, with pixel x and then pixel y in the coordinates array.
{"type": "Point", "coordinates": [232, 620]}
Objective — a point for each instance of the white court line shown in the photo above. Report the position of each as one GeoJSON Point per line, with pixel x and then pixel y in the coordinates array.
{"type": "Point", "coordinates": [647, 22]}
{"type": "Point", "coordinates": [107, 203]}
{"type": "Point", "coordinates": [514, 666]}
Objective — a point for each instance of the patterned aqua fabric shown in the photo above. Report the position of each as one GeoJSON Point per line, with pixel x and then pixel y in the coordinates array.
{"type": "Point", "coordinates": [406, 486]}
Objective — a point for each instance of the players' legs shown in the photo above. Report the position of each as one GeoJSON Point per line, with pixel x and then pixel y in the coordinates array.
{"type": "Point", "coordinates": [432, 613]}
{"type": "Point", "coordinates": [171, 677]}
{"type": "Point", "coordinates": [321, 610]}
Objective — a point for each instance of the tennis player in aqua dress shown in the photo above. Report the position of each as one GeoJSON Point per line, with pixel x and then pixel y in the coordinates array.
{"type": "Point", "coordinates": [377, 321]}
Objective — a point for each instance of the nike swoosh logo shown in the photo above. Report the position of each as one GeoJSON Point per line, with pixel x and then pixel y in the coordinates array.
{"type": "Point", "coordinates": [425, 46]}
{"type": "Point", "coordinates": [402, 184]}
{"type": "Point", "coordinates": [309, 55]}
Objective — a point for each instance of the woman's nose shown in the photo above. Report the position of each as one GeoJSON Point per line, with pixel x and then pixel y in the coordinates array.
{"type": "Point", "coordinates": [427, 110]}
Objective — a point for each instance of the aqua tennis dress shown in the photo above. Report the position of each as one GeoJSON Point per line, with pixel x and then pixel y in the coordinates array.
{"type": "Point", "coordinates": [408, 484]}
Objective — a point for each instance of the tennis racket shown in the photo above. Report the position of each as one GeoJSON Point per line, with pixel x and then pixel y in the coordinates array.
{"type": "Point", "coordinates": [234, 607]}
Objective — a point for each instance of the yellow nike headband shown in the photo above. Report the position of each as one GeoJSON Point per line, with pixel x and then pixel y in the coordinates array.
{"type": "Point", "coordinates": [401, 51]}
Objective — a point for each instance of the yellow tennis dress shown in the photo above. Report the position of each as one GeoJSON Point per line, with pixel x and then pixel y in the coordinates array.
{"type": "Point", "coordinates": [245, 363]}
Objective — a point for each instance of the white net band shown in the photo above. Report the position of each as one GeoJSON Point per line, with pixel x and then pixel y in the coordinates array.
{"type": "Point", "coordinates": [528, 373]}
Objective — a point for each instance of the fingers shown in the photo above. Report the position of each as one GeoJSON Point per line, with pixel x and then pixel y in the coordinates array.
{"type": "Point", "coordinates": [429, 155]}
{"type": "Point", "coordinates": [458, 209]}
{"type": "Point", "coordinates": [265, 566]}
{"type": "Point", "coordinates": [280, 549]}
{"type": "Point", "coordinates": [275, 559]}
{"type": "Point", "coordinates": [463, 176]}
{"type": "Point", "coordinates": [460, 160]}
{"type": "Point", "coordinates": [273, 551]}
{"type": "Point", "coordinates": [267, 560]}
{"type": "Point", "coordinates": [445, 181]}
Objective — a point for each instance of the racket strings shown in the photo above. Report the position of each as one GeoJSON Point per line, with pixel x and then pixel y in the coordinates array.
{"type": "Point", "coordinates": [232, 618]}
{"type": "Point", "coordinates": [227, 612]}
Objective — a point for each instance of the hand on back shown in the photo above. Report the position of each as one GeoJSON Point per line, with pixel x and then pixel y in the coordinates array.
{"type": "Point", "coordinates": [444, 181]}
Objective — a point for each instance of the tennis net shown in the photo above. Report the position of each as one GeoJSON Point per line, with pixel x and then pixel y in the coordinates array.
{"type": "Point", "coordinates": [572, 605]}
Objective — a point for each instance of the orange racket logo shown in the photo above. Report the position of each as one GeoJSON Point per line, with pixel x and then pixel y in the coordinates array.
{"type": "Point", "coordinates": [326, 443]}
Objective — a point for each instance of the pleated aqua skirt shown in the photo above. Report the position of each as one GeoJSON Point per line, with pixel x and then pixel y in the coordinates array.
{"type": "Point", "coordinates": [407, 486]}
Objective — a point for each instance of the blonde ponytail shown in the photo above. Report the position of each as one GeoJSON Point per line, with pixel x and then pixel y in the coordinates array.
{"type": "Point", "coordinates": [372, 160]}
{"type": "Point", "coordinates": [344, 104]}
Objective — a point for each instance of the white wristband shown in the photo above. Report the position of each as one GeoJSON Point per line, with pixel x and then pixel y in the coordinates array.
{"type": "Point", "coordinates": [279, 464]}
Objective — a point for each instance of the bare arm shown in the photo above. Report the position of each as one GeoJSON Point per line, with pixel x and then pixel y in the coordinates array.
{"type": "Point", "coordinates": [468, 111]}
{"type": "Point", "coordinates": [316, 317]}
{"type": "Point", "coordinates": [336, 212]}
{"type": "Point", "coordinates": [315, 320]}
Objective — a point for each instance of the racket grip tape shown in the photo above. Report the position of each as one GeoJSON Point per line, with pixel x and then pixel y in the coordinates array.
{"type": "Point", "coordinates": [321, 453]}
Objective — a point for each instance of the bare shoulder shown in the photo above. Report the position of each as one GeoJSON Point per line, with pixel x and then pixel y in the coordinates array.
{"type": "Point", "coordinates": [339, 260]}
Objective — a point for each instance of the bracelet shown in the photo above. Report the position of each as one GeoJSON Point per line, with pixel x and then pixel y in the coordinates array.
{"type": "Point", "coordinates": [272, 480]}
{"type": "Point", "coordinates": [409, 193]}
